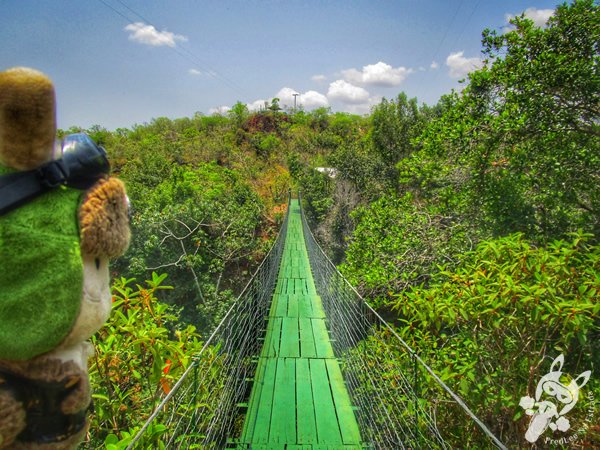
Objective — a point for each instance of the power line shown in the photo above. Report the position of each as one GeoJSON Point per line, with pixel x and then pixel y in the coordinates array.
{"type": "Point", "coordinates": [115, 10]}
{"type": "Point", "coordinates": [184, 53]}
{"type": "Point", "coordinates": [439, 47]}
{"type": "Point", "coordinates": [135, 13]}
{"type": "Point", "coordinates": [457, 40]}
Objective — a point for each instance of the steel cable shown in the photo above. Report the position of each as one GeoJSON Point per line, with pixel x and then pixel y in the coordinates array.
{"type": "Point", "coordinates": [395, 392]}
{"type": "Point", "coordinates": [206, 405]}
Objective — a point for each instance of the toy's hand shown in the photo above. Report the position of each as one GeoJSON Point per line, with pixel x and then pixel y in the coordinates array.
{"type": "Point", "coordinates": [79, 396]}
{"type": "Point", "coordinates": [104, 220]}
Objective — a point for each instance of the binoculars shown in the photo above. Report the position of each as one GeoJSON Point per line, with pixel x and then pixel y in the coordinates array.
{"type": "Point", "coordinates": [81, 165]}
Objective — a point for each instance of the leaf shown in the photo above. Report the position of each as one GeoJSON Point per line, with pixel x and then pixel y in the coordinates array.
{"type": "Point", "coordinates": [111, 439]}
{"type": "Point", "coordinates": [97, 396]}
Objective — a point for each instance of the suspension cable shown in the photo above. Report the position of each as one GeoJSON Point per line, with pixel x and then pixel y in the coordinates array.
{"type": "Point", "coordinates": [310, 237]}
{"type": "Point", "coordinates": [270, 264]}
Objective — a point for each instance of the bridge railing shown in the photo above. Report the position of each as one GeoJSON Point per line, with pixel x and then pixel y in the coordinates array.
{"type": "Point", "coordinates": [205, 406]}
{"type": "Point", "coordinates": [400, 403]}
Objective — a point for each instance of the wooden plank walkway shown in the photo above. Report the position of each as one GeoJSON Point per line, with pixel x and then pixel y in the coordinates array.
{"type": "Point", "coordinates": [299, 399]}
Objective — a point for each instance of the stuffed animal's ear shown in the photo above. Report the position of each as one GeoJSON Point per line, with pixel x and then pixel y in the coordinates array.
{"type": "Point", "coordinates": [104, 219]}
{"type": "Point", "coordinates": [27, 118]}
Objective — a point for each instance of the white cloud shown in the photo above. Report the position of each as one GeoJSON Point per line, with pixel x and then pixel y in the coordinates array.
{"type": "Point", "coordinates": [313, 99]}
{"type": "Point", "coordinates": [194, 72]}
{"type": "Point", "coordinates": [434, 65]}
{"type": "Point", "coordinates": [148, 35]}
{"type": "Point", "coordinates": [347, 93]}
{"type": "Point", "coordinates": [539, 17]}
{"type": "Point", "coordinates": [363, 108]}
{"type": "Point", "coordinates": [318, 78]}
{"type": "Point", "coordinates": [286, 96]}
{"type": "Point", "coordinates": [257, 105]}
{"type": "Point", "coordinates": [219, 110]}
{"type": "Point", "coordinates": [309, 99]}
{"type": "Point", "coordinates": [380, 74]}
{"type": "Point", "coordinates": [461, 66]}
{"type": "Point", "coordinates": [348, 98]}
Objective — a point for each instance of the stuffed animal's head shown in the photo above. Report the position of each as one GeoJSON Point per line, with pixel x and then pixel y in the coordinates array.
{"type": "Point", "coordinates": [55, 248]}
{"type": "Point", "coordinates": [27, 118]}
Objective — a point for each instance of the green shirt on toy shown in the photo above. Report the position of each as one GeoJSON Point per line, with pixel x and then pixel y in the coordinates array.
{"type": "Point", "coordinates": [40, 239]}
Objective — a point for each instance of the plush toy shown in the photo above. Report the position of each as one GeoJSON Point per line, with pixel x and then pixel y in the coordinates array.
{"type": "Point", "coordinates": [61, 219]}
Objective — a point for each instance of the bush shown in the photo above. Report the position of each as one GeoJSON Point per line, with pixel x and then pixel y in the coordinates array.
{"type": "Point", "coordinates": [488, 325]}
{"type": "Point", "coordinates": [140, 353]}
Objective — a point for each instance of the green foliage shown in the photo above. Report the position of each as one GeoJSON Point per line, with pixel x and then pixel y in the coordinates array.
{"type": "Point", "coordinates": [267, 144]}
{"type": "Point", "coordinates": [511, 162]}
{"type": "Point", "coordinates": [197, 225]}
{"type": "Point", "coordinates": [316, 190]}
{"type": "Point", "coordinates": [238, 113]}
{"type": "Point", "coordinates": [275, 105]}
{"type": "Point", "coordinates": [140, 353]}
{"type": "Point", "coordinates": [395, 126]}
{"type": "Point", "coordinates": [319, 118]}
{"type": "Point", "coordinates": [487, 325]}
{"type": "Point", "coordinates": [397, 244]}
{"type": "Point", "coordinates": [358, 165]}
{"type": "Point", "coordinates": [521, 141]}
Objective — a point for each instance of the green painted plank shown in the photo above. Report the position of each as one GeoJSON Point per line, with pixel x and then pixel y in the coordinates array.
{"type": "Point", "coordinates": [334, 447]}
{"type": "Point", "coordinates": [300, 287]}
{"type": "Point", "coordinates": [290, 338]}
{"type": "Point", "coordinates": [266, 447]}
{"type": "Point", "coordinates": [282, 305]}
{"type": "Point", "coordinates": [250, 419]}
{"type": "Point", "coordinates": [328, 431]}
{"type": "Point", "coordinates": [312, 290]}
{"type": "Point", "coordinates": [292, 404]}
{"type": "Point", "coordinates": [322, 344]}
{"type": "Point", "coordinates": [307, 340]}
{"type": "Point", "coordinates": [283, 418]}
{"type": "Point", "coordinates": [273, 338]}
{"type": "Point", "coordinates": [317, 306]}
{"type": "Point", "coordinates": [292, 306]}
{"type": "Point", "coordinates": [281, 286]}
{"type": "Point", "coordinates": [289, 290]}
{"type": "Point", "coordinates": [274, 305]}
{"type": "Point", "coordinates": [305, 307]}
{"type": "Point", "coordinates": [263, 415]}
{"type": "Point", "coordinates": [307, 428]}
{"type": "Point", "coordinates": [343, 406]}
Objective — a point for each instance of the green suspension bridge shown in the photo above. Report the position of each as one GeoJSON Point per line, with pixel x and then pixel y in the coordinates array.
{"type": "Point", "coordinates": [292, 366]}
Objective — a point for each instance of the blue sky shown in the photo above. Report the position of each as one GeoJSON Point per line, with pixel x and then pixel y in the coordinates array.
{"type": "Point", "coordinates": [120, 62]}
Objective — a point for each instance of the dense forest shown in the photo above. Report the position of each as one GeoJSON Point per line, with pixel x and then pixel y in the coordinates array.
{"type": "Point", "coordinates": [472, 225]}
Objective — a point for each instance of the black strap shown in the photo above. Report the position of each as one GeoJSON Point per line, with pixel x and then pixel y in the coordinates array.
{"type": "Point", "coordinates": [21, 187]}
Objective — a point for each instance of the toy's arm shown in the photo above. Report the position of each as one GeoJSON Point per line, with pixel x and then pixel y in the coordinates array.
{"type": "Point", "coordinates": [104, 220]}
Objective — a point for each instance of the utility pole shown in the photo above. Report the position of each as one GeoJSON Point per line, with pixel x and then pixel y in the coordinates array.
{"type": "Point", "coordinates": [295, 95]}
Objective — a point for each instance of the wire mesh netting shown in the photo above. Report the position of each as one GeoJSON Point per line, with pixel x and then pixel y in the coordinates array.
{"type": "Point", "coordinates": [398, 399]}
{"type": "Point", "coordinates": [205, 406]}
{"type": "Point", "coordinates": [399, 402]}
